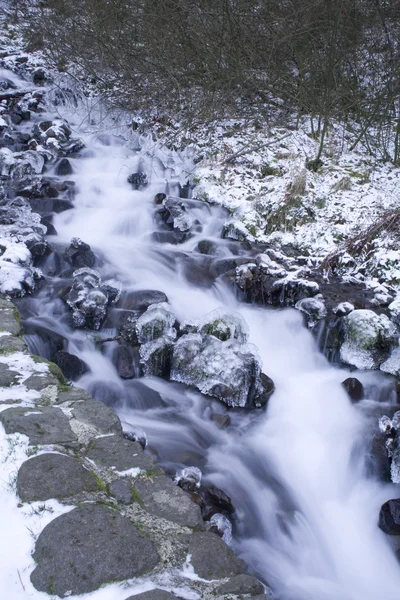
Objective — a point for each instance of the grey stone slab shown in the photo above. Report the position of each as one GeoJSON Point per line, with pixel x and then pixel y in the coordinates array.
{"type": "Point", "coordinates": [11, 343]}
{"type": "Point", "coordinates": [212, 558]}
{"type": "Point", "coordinates": [43, 425]}
{"type": "Point", "coordinates": [121, 489]}
{"type": "Point", "coordinates": [98, 415]}
{"type": "Point", "coordinates": [38, 382]}
{"type": "Point", "coordinates": [241, 584]}
{"type": "Point", "coordinates": [116, 451]}
{"type": "Point", "coordinates": [154, 595]}
{"type": "Point", "coordinates": [162, 498]}
{"type": "Point", "coordinates": [8, 320]}
{"type": "Point", "coordinates": [7, 376]}
{"type": "Point", "coordinates": [88, 547]}
{"type": "Point", "coordinates": [53, 476]}
{"type": "Point", "coordinates": [74, 394]}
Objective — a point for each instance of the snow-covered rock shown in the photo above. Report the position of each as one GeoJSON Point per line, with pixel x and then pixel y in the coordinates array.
{"type": "Point", "coordinates": [226, 370]}
{"type": "Point", "coordinates": [368, 339]}
{"type": "Point", "coordinates": [313, 309]}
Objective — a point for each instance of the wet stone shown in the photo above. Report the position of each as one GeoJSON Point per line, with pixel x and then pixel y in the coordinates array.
{"type": "Point", "coordinates": [141, 300]}
{"type": "Point", "coordinates": [162, 498]}
{"type": "Point", "coordinates": [241, 584]}
{"type": "Point", "coordinates": [42, 425]}
{"type": "Point", "coordinates": [116, 451]}
{"type": "Point", "coordinates": [53, 476]}
{"type": "Point", "coordinates": [72, 366]}
{"type": "Point", "coordinates": [8, 377]}
{"type": "Point", "coordinates": [98, 415]}
{"type": "Point", "coordinates": [154, 595]}
{"type": "Point", "coordinates": [88, 547]}
{"type": "Point", "coordinates": [212, 558]}
{"type": "Point", "coordinates": [354, 388]}
{"type": "Point", "coordinates": [389, 517]}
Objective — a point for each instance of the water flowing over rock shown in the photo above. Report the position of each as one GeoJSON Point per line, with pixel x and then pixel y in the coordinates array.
{"type": "Point", "coordinates": [368, 339]}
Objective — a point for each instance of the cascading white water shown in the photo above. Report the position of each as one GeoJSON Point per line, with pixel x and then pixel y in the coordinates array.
{"type": "Point", "coordinates": [306, 509]}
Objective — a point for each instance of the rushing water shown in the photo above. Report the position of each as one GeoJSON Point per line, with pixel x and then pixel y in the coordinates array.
{"type": "Point", "coordinates": [306, 519]}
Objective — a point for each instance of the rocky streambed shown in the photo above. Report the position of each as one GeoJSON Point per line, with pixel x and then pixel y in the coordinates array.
{"type": "Point", "coordinates": [155, 304]}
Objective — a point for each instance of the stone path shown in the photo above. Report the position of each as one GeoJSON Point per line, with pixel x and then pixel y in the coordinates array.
{"type": "Point", "coordinates": [128, 519]}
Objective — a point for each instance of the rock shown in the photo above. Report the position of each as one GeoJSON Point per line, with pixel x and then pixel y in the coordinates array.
{"type": "Point", "coordinates": [73, 394]}
{"type": "Point", "coordinates": [343, 309]}
{"type": "Point", "coordinates": [122, 490]}
{"type": "Point", "coordinates": [313, 309]}
{"type": "Point", "coordinates": [135, 434]}
{"type": "Point", "coordinates": [71, 366]}
{"type": "Point", "coordinates": [219, 499]}
{"type": "Point", "coordinates": [138, 180]}
{"type": "Point", "coordinates": [160, 497]}
{"type": "Point", "coordinates": [158, 199]}
{"type": "Point", "coordinates": [188, 479]}
{"type": "Point", "coordinates": [106, 547]}
{"type": "Point", "coordinates": [53, 476]}
{"type": "Point", "coordinates": [227, 370]}
{"type": "Point", "coordinates": [97, 415]}
{"type": "Point", "coordinates": [42, 425]}
{"type": "Point", "coordinates": [174, 214]}
{"type": "Point", "coordinates": [157, 321]}
{"type": "Point", "coordinates": [354, 388]}
{"type": "Point", "coordinates": [241, 584]}
{"type": "Point", "coordinates": [222, 421]}
{"type": "Point", "coordinates": [64, 168]}
{"type": "Point", "coordinates": [118, 452]}
{"type": "Point", "coordinates": [368, 339]}
{"type": "Point", "coordinates": [10, 344]}
{"type": "Point", "coordinates": [8, 377]}
{"type": "Point", "coordinates": [389, 517]}
{"type": "Point", "coordinates": [211, 558]}
{"type": "Point", "coordinates": [392, 364]}
{"type": "Point", "coordinates": [222, 526]}
{"type": "Point", "coordinates": [154, 595]}
{"type": "Point", "coordinates": [87, 300]}
{"type": "Point", "coordinates": [8, 320]}
{"type": "Point", "coordinates": [79, 254]}
{"type": "Point", "coordinates": [156, 357]}
{"type": "Point", "coordinates": [379, 457]}
{"type": "Point", "coordinates": [123, 359]}
{"type": "Point", "coordinates": [40, 381]}
{"type": "Point", "coordinates": [141, 300]}
{"type": "Point", "coordinates": [39, 76]}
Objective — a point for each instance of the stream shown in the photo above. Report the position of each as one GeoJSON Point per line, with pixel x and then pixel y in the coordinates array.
{"type": "Point", "coordinates": [306, 503]}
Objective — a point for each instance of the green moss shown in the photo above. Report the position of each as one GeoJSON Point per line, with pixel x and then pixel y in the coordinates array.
{"type": "Point", "coordinates": [135, 496]}
{"type": "Point", "coordinates": [101, 485]}
{"type": "Point", "coordinates": [54, 370]}
{"type": "Point", "coordinates": [267, 171]}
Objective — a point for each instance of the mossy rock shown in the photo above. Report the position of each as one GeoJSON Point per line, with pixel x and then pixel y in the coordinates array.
{"type": "Point", "coordinates": [54, 370]}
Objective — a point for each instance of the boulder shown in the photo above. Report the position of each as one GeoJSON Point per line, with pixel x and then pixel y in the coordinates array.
{"type": "Point", "coordinates": [313, 310]}
{"type": "Point", "coordinates": [92, 545]}
{"type": "Point", "coordinates": [71, 366]}
{"type": "Point", "coordinates": [140, 300]}
{"type": "Point", "coordinates": [154, 595]}
{"type": "Point", "coordinates": [64, 168]}
{"type": "Point", "coordinates": [42, 425]}
{"type": "Point", "coordinates": [120, 453]}
{"type": "Point", "coordinates": [53, 476]}
{"type": "Point", "coordinates": [98, 415]}
{"type": "Point", "coordinates": [368, 339]}
{"type": "Point", "coordinates": [160, 497]}
{"type": "Point", "coordinates": [217, 361]}
{"type": "Point", "coordinates": [211, 558]}
{"type": "Point", "coordinates": [354, 388]}
{"type": "Point", "coordinates": [389, 517]}
{"type": "Point", "coordinates": [241, 584]}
